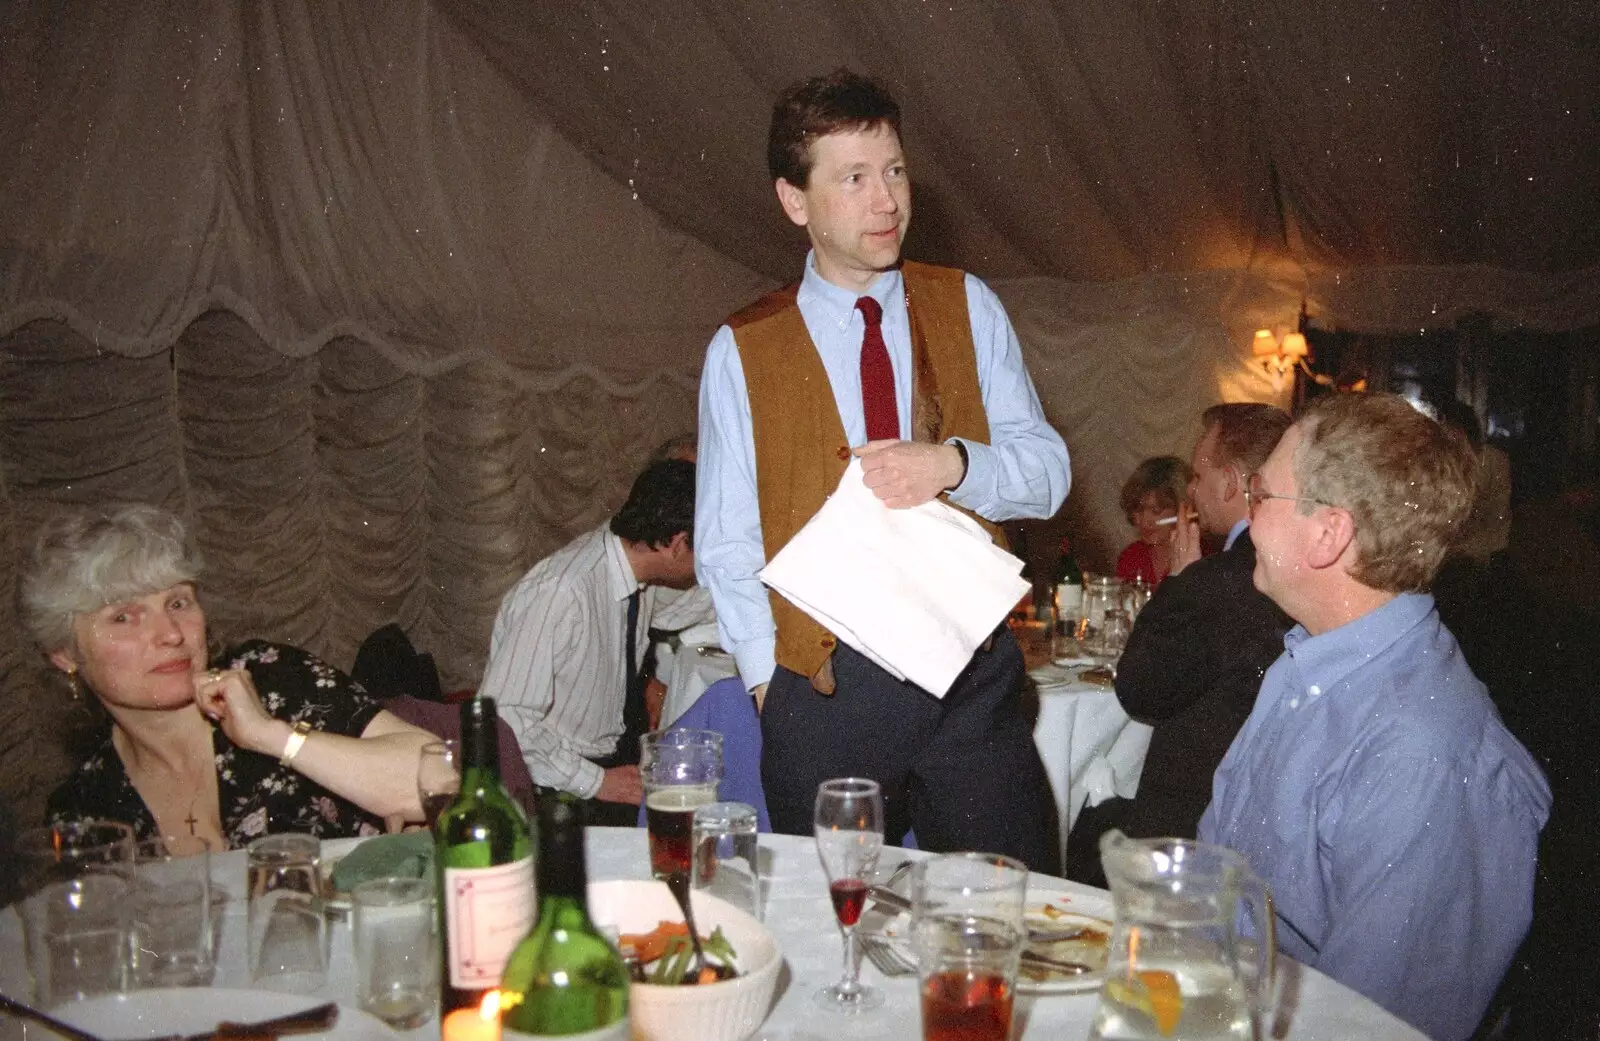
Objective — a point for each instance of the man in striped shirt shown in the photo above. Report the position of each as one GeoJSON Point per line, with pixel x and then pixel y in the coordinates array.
{"type": "Point", "coordinates": [560, 654]}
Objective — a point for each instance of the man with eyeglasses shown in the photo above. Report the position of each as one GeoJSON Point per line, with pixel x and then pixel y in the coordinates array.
{"type": "Point", "coordinates": [1198, 649]}
{"type": "Point", "coordinates": [1374, 787]}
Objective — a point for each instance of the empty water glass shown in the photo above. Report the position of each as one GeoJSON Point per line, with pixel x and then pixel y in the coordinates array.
{"type": "Point", "coordinates": [1114, 634]}
{"type": "Point", "coordinates": [76, 883]}
{"type": "Point", "coordinates": [396, 948]}
{"type": "Point", "coordinates": [288, 938]}
{"type": "Point", "coordinates": [75, 934]}
{"type": "Point", "coordinates": [727, 855]}
{"type": "Point", "coordinates": [173, 914]}
{"type": "Point", "coordinates": [1135, 595]}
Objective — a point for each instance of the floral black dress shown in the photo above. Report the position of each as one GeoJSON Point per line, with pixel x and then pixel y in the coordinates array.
{"type": "Point", "coordinates": [256, 794]}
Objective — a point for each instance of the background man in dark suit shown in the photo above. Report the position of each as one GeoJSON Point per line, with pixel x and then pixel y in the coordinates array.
{"type": "Point", "coordinates": [1198, 649]}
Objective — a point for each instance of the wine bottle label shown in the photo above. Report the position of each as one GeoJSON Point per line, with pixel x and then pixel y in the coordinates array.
{"type": "Point", "coordinates": [487, 911]}
{"type": "Point", "coordinates": [617, 1031]}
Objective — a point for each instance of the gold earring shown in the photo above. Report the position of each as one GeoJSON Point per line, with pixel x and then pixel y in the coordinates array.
{"type": "Point", "coordinates": [74, 685]}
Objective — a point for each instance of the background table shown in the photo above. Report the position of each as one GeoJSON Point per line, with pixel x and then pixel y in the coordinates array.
{"type": "Point", "coordinates": [687, 672]}
{"type": "Point", "coordinates": [1313, 1008]}
{"type": "Point", "coordinates": [1091, 749]}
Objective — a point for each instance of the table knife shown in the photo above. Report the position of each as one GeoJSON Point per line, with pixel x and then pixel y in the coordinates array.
{"type": "Point", "coordinates": [308, 1021]}
{"type": "Point", "coordinates": [885, 895]}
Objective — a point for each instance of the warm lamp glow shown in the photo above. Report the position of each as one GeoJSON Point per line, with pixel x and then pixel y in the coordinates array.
{"type": "Point", "coordinates": [1279, 358]}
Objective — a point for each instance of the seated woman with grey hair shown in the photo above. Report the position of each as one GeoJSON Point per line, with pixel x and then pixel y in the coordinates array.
{"type": "Point", "coordinates": [261, 738]}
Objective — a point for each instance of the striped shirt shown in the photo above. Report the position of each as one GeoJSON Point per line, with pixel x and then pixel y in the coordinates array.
{"type": "Point", "coordinates": [556, 664]}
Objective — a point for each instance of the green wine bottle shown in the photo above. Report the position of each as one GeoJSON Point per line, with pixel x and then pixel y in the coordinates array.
{"type": "Point", "coordinates": [485, 857]}
{"type": "Point", "coordinates": [565, 979]}
{"type": "Point", "coordinates": [1068, 591]}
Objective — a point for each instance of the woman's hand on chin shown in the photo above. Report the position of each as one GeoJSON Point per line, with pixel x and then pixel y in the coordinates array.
{"type": "Point", "coordinates": [228, 697]}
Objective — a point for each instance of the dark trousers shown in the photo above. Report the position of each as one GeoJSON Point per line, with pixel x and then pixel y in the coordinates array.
{"type": "Point", "coordinates": [613, 814]}
{"type": "Point", "coordinates": [962, 772]}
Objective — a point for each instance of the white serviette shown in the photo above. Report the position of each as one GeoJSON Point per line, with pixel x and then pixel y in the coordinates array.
{"type": "Point", "coordinates": [702, 635]}
{"type": "Point", "coordinates": [915, 590]}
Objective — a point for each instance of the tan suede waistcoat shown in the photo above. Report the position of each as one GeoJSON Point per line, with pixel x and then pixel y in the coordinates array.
{"type": "Point", "coordinates": [800, 446]}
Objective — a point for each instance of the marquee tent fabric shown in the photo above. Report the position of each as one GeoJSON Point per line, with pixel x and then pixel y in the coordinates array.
{"type": "Point", "coordinates": [392, 299]}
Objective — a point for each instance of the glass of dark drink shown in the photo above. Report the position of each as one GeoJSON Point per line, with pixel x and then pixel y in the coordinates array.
{"type": "Point", "coordinates": [680, 770]}
{"type": "Point", "coordinates": [438, 778]}
{"type": "Point", "coordinates": [849, 827]}
{"type": "Point", "coordinates": [968, 929]}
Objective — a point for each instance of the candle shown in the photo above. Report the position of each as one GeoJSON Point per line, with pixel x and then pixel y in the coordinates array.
{"type": "Point", "coordinates": [475, 1024]}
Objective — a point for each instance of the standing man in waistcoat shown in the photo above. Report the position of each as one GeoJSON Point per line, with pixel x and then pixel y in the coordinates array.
{"type": "Point", "coordinates": [916, 370]}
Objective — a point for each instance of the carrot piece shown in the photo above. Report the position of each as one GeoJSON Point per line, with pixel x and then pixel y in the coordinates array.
{"type": "Point", "coordinates": [653, 944]}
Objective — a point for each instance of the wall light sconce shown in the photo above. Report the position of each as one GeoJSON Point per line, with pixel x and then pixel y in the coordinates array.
{"type": "Point", "coordinates": [1280, 357]}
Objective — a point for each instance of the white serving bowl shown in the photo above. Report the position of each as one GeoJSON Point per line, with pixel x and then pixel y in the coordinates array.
{"type": "Point", "coordinates": [730, 1010]}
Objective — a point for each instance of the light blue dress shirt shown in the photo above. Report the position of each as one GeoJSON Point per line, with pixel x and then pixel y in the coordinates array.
{"type": "Point", "coordinates": [1234, 533]}
{"type": "Point", "coordinates": [1396, 820]}
{"type": "Point", "coordinates": [1023, 472]}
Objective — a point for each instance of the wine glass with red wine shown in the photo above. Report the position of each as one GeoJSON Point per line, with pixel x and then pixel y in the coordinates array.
{"type": "Point", "coordinates": [438, 778]}
{"type": "Point", "coordinates": [849, 828]}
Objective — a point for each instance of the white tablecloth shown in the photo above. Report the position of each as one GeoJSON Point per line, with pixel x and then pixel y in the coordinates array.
{"type": "Point", "coordinates": [798, 911]}
{"type": "Point", "coordinates": [1091, 749]}
{"type": "Point", "coordinates": [687, 672]}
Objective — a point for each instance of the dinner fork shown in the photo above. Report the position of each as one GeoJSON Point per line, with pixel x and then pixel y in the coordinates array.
{"type": "Point", "coordinates": [885, 956]}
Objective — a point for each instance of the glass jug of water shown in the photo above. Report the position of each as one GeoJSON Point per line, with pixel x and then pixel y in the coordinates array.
{"type": "Point", "coordinates": [1101, 593]}
{"type": "Point", "coordinates": [1177, 968]}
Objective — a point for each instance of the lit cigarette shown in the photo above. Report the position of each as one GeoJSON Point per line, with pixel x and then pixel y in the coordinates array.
{"type": "Point", "coordinates": [1164, 521]}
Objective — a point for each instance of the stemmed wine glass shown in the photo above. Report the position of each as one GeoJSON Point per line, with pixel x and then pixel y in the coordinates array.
{"type": "Point", "coordinates": [849, 827]}
{"type": "Point", "coordinates": [438, 778]}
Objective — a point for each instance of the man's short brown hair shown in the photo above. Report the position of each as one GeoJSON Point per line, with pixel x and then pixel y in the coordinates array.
{"type": "Point", "coordinates": [1406, 479]}
{"type": "Point", "coordinates": [1247, 432]}
{"type": "Point", "coordinates": [838, 102]}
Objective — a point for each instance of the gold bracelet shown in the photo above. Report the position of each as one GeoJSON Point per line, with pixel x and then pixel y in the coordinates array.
{"type": "Point", "coordinates": [297, 740]}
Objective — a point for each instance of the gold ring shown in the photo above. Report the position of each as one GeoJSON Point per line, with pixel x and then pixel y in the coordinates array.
{"type": "Point", "coordinates": [213, 675]}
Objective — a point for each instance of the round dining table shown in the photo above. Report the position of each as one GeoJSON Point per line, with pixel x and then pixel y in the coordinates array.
{"type": "Point", "coordinates": [1091, 750]}
{"type": "Point", "coordinates": [1309, 1007]}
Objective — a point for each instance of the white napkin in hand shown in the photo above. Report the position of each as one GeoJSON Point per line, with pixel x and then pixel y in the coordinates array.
{"type": "Point", "coordinates": [915, 590]}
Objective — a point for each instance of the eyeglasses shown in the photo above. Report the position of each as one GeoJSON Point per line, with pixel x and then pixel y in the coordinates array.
{"type": "Point", "coordinates": [1255, 495]}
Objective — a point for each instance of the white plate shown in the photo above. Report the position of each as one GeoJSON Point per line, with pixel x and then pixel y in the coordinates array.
{"type": "Point", "coordinates": [143, 1014]}
{"type": "Point", "coordinates": [1049, 907]}
{"type": "Point", "coordinates": [1053, 908]}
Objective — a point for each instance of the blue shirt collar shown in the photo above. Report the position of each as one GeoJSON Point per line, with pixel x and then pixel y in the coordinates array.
{"type": "Point", "coordinates": [1325, 660]}
{"type": "Point", "coordinates": [840, 303]}
{"type": "Point", "coordinates": [1234, 533]}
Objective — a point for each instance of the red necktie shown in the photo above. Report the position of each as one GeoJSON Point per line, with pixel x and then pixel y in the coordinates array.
{"type": "Point", "coordinates": [877, 376]}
